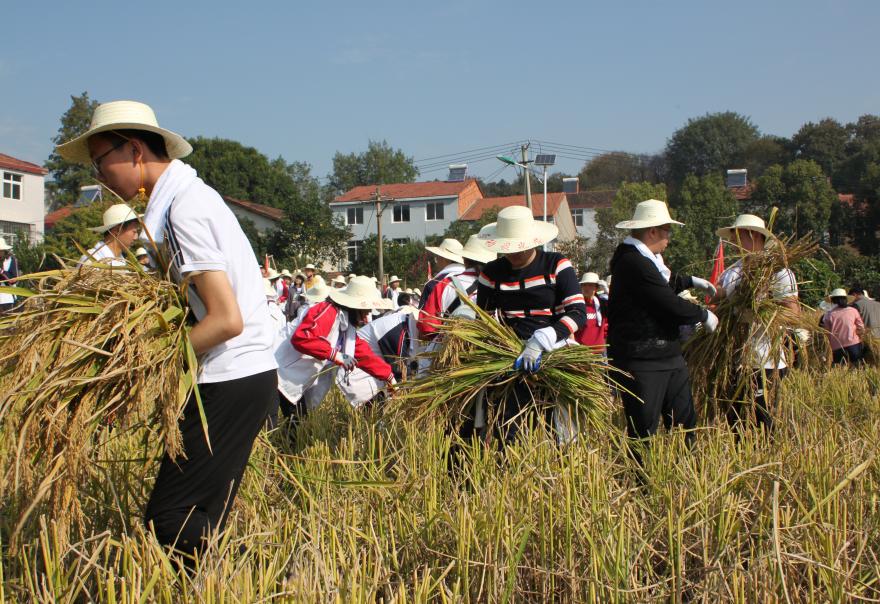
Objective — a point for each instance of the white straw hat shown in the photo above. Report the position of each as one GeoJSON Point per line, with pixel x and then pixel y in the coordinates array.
{"type": "Point", "coordinates": [393, 279]}
{"type": "Point", "coordinates": [837, 293]}
{"type": "Point", "coordinates": [417, 291]}
{"type": "Point", "coordinates": [746, 222]}
{"type": "Point", "coordinates": [285, 273]}
{"type": "Point", "coordinates": [272, 274]}
{"type": "Point", "coordinates": [517, 230]}
{"type": "Point", "coordinates": [338, 279]}
{"type": "Point", "coordinates": [449, 249]}
{"type": "Point", "coordinates": [475, 250]}
{"type": "Point", "coordinates": [649, 213]}
{"type": "Point", "coordinates": [318, 292]}
{"type": "Point", "coordinates": [3, 245]}
{"type": "Point", "coordinates": [141, 252]}
{"type": "Point", "coordinates": [385, 304]}
{"type": "Point", "coordinates": [309, 266]}
{"type": "Point", "coordinates": [114, 216]}
{"type": "Point", "coordinates": [408, 290]}
{"type": "Point", "coordinates": [360, 293]}
{"type": "Point", "coordinates": [122, 115]}
{"type": "Point", "coordinates": [590, 278]}
{"type": "Point", "coordinates": [603, 285]}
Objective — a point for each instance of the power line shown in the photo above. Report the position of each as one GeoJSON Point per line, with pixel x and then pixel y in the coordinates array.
{"type": "Point", "coordinates": [459, 153]}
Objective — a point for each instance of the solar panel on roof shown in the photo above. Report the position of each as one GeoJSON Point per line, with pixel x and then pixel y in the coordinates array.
{"type": "Point", "coordinates": [457, 173]}
{"type": "Point", "coordinates": [545, 159]}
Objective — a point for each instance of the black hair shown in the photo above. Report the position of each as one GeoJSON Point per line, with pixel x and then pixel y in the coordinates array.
{"type": "Point", "coordinates": [855, 289]}
{"type": "Point", "coordinates": [840, 301]}
{"type": "Point", "coordinates": [403, 299]}
{"type": "Point", "coordinates": [154, 142]}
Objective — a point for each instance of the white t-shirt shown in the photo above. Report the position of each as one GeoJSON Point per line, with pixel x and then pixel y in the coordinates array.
{"type": "Point", "coordinates": [202, 234]}
{"type": "Point", "coordinates": [7, 298]}
{"type": "Point", "coordinates": [784, 286]}
{"type": "Point", "coordinates": [102, 253]}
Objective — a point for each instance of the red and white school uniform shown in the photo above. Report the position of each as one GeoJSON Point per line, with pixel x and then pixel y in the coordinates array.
{"type": "Point", "coordinates": [595, 330]}
{"type": "Point", "coordinates": [441, 300]}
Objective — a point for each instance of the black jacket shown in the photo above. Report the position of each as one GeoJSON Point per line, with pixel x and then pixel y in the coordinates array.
{"type": "Point", "coordinates": [645, 312]}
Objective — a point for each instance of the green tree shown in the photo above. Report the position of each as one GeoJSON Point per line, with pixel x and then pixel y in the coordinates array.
{"type": "Point", "coordinates": [860, 175]}
{"type": "Point", "coordinates": [622, 207]}
{"type": "Point", "coordinates": [71, 234]}
{"type": "Point", "coordinates": [824, 143]}
{"type": "Point", "coordinates": [803, 194]}
{"type": "Point", "coordinates": [308, 232]}
{"type": "Point", "coordinates": [379, 164]}
{"type": "Point", "coordinates": [704, 205]}
{"type": "Point", "coordinates": [243, 172]}
{"type": "Point", "coordinates": [407, 260]}
{"type": "Point", "coordinates": [762, 153]}
{"type": "Point", "coordinates": [66, 178]}
{"type": "Point", "coordinates": [709, 144]}
{"type": "Point", "coordinates": [609, 170]}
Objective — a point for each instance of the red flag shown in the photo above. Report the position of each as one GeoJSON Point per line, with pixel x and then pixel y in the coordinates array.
{"type": "Point", "coordinates": [718, 266]}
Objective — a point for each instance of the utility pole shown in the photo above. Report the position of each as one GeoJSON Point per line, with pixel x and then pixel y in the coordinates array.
{"type": "Point", "coordinates": [379, 199]}
{"type": "Point", "coordinates": [525, 162]}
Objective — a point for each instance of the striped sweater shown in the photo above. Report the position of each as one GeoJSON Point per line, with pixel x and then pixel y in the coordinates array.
{"type": "Point", "coordinates": [544, 293]}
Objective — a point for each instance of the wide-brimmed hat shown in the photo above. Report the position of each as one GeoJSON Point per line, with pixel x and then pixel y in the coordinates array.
{"type": "Point", "coordinates": [360, 293]}
{"type": "Point", "coordinates": [603, 285]}
{"type": "Point", "coordinates": [516, 230]}
{"type": "Point", "coordinates": [318, 292]}
{"type": "Point", "coordinates": [408, 290]}
{"type": "Point", "coordinates": [417, 291]}
{"type": "Point", "coordinates": [114, 216]}
{"type": "Point", "coordinates": [745, 222]}
{"type": "Point", "coordinates": [837, 293]}
{"type": "Point", "coordinates": [141, 251]}
{"type": "Point", "coordinates": [475, 250]}
{"type": "Point", "coordinates": [449, 249]}
{"type": "Point", "coordinates": [649, 213]}
{"type": "Point", "coordinates": [590, 279]}
{"type": "Point", "coordinates": [122, 115]}
{"type": "Point", "coordinates": [393, 279]}
{"type": "Point", "coordinates": [286, 273]}
{"type": "Point", "coordinates": [3, 245]}
{"type": "Point", "coordinates": [339, 279]}
{"type": "Point", "coordinates": [309, 266]}
{"type": "Point", "coordinates": [385, 304]}
{"type": "Point", "coordinates": [272, 274]}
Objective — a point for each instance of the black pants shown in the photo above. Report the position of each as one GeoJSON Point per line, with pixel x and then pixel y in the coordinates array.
{"type": "Point", "coordinates": [5, 308]}
{"type": "Point", "coordinates": [514, 412]}
{"type": "Point", "coordinates": [192, 496]}
{"type": "Point", "coordinates": [655, 394]}
{"type": "Point", "coordinates": [764, 385]}
{"type": "Point", "coordinates": [850, 355]}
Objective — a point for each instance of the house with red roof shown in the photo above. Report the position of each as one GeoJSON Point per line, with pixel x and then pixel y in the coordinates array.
{"type": "Point", "coordinates": [22, 199]}
{"type": "Point", "coordinates": [411, 211]}
{"type": "Point", "coordinates": [558, 211]}
{"type": "Point", "coordinates": [264, 218]}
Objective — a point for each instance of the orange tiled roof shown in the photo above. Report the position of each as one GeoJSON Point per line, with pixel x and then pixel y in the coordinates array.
{"type": "Point", "coordinates": [256, 208]}
{"type": "Point", "coordinates": [52, 217]}
{"type": "Point", "coordinates": [19, 165]}
{"type": "Point", "coordinates": [554, 200]}
{"type": "Point", "coordinates": [410, 190]}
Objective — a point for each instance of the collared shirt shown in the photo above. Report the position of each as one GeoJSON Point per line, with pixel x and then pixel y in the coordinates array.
{"type": "Point", "coordinates": [102, 253]}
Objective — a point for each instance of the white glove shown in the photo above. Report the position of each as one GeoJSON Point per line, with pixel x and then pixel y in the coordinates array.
{"type": "Point", "coordinates": [530, 358]}
{"type": "Point", "coordinates": [802, 334]}
{"type": "Point", "coordinates": [545, 338]}
{"type": "Point", "coordinates": [711, 322]}
{"type": "Point", "coordinates": [704, 285]}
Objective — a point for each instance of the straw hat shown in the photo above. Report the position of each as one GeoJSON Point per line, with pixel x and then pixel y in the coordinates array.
{"type": "Point", "coordinates": [408, 290]}
{"type": "Point", "coordinates": [338, 279]}
{"type": "Point", "coordinates": [449, 249]}
{"type": "Point", "coordinates": [272, 274]}
{"type": "Point", "coordinates": [837, 293]}
{"type": "Point", "coordinates": [385, 304]}
{"type": "Point", "coordinates": [140, 252]}
{"type": "Point", "coordinates": [286, 273]}
{"type": "Point", "coordinates": [3, 245]}
{"type": "Point", "coordinates": [309, 266]}
{"type": "Point", "coordinates": [114, 216]}
{"type": "Point", "coordinates": [603, 285]}
{"type": "Point", "coordinates": [393, 279]}
{"type": "Point", "coordinates": [476, 251]}
{"type": "Point", "coordinates": [746, 222]}
{"type": "Point", "coordinates": [590, 278]}
{"type": "Point", "coordinates": [516, 230]}
{"type": "Point", "coordinates": [360, 293]}
{"type": "Point", "coordinates": [417, 291]}
{"type": "Point", "coordinates": [318, 292]}
{"type": "Point", "coordinates": [122, 115]}
{"type": "Point", "coordinates": [649, 213]}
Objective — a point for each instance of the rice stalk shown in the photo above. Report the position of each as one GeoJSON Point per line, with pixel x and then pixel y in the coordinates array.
{"type": "Point", "coordinates": [93, 352]}
{"type": "Point", "coordinates": [476, 357]}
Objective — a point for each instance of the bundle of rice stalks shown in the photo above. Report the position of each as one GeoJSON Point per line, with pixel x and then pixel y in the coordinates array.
{"type": "Point", "coordinates": [753, 327]}
{"type": "Point", "coordinates": [871, 344]}
{"type": "Point", "coordinates": [475, 358]}
{"type": "Point", "coordinates": [93, 353]}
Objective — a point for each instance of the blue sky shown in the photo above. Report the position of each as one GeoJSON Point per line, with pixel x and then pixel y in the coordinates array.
{"type": "Point", "coordinates": [304, 80]}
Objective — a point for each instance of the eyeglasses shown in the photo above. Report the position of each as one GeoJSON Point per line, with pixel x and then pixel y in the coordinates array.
{"type": "Point", "coordinates": [96, 163]}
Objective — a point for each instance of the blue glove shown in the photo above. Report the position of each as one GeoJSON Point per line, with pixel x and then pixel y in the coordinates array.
{"type": "Point", "coordinates": [530, 358]}
{"type": "Point", "coordinates": [345, 361]}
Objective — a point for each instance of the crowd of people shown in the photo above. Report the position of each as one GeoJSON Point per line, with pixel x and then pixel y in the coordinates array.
{"type": "Point", "coordinates": [267, 339]}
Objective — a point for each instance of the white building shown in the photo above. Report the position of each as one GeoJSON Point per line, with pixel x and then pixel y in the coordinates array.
{"type": "Point", "coordinates": [22, 199]}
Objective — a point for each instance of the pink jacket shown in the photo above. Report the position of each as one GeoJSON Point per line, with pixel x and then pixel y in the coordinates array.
{"type": "Point", "coordinates": [842, 324]}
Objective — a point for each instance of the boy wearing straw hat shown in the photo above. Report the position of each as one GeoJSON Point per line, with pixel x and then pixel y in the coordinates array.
{"type": "Point", "coordinates": [533, 291]}
{"type": "Point", "coordinates": [8, 274]}
{"type": "Point", "coordinates": [232, 337]}
{"type": "Point", "coordinates": [393, 291]}
{"type": "Point", "coordinates": [447, 260]}
{"type": "Point", "coordinates": [750, 235]}
{"type": "Point", "coordinates": [644, 316]}
{"type": "Point", "coordinates": [119, 229]}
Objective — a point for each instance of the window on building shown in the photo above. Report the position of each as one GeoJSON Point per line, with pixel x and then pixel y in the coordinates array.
{"type": "Point", "coordinates": [401, 240]}
{"type": "Point", "coordinates": [354, 250]}
{"type": "Point", "coordinates": [578, 216]}
{"type": "Point", "coordinates": [401, 213]}
{"type": "Point", "coordinates": [355, 216]}
{"type": "Point", "coordinates": [11, 185]}
{"type": "Point", "coordinates": [434, 211]}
